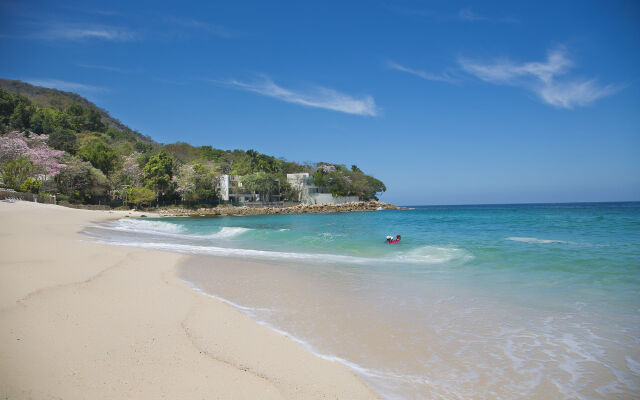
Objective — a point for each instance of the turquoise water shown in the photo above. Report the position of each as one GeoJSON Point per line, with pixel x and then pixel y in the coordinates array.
{"type": "Point", "coordinates": [509, 301]}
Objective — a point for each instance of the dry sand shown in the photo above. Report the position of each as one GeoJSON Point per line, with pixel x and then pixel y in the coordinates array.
{"type": "Point", "coordinates": [84, 320]}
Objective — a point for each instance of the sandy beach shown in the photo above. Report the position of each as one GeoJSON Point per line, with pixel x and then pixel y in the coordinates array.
{"type": "Point", "coordinates": [84, 320]}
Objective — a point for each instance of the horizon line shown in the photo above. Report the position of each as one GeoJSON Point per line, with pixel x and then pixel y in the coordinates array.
{"type": "Point", "coordinates": [518, 204]}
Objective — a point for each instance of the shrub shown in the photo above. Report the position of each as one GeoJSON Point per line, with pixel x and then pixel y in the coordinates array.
{"type": "Point", "coordinates": [140, 196]}
{"type": "Point", "coordinates": [31, 185]}
{"type": "Point", "coordinates": [16, 172]}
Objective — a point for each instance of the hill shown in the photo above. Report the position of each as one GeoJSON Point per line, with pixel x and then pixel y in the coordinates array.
{"type": "Point", "coordinates": [58, 99]}
{"type": "Point", "coordinates": [95, 158]}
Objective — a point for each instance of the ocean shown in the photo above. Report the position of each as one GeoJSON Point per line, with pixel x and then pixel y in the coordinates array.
{"type": "Point", "coordinates": [490, 301]}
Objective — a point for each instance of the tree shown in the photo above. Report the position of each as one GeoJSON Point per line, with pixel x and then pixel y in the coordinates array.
{"type": "Point", "coordinates": [46, 160]}
{"type": "Point", "coordinates": [158, 173]}
{"type": "Point", "coordinates": [8, 102]}
{"type": "Point", "coordinates": [186, 183]}
{"type": "Point", "coordinates": [289, 192]}
{"type": "Point", "coordinates": [261, 183]}
{"type": "Point", "coordinates": [63, 140]}
{"type": "Point", "coordinates": [140, 196]}
{"type": "Point", "coordinates": [366, 187]}
{"type": "Point", "coordinates": [19, 119]}
{"type": "Point", "coordinates": [197, 183]}
{"type": "Point", "coordinates": [82, 182]}
{"type": "Point", "coordinates": [99, 154]}
{"type": "Point", "coordinates": [16, 172]}
{"type": "Point", "coordinates": [251, 162]}
{"type": "Point", "coordinates": [75, 111]}
{"type": "Point", "coordinates": [91, 121]}
{"type": "Point", "coordinates": [211, 154]}
{"type": "Point", "coordinates": [374, 186]}
{"type": "Point", "coordinates": [126, 175]}
{"type": "Point", "coordinates": [324, 175]}
{"type": "Point", "coordinates": [31, 185]}
{"type": "Point", "coordinates": [226, 163]}
{"type": "Point", "coordinates": [129, 172]}
{"type": "Point", "coordinates": [341, 182]}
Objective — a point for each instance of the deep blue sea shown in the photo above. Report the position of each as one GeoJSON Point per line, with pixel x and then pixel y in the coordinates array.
{"type": "Point", "coordinates": [491, 301]}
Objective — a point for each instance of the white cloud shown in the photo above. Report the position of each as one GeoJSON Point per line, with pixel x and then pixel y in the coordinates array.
{"type": "Point", "coordinates": [75, 32]}
{"type": "Point", "coordinates": [444, 77]}
{"type": "Point", "coordinates": [317, 97]}
{"type": "Point", "coordinates": [542, 78]}
{"type": "Point", "coordinates": [467, 14]}
{"type": "Point", "coordinates": [191, 23]}
{"type": "Point", "coordinates": [105, 68]}
{"type": "Point", "coordinates": [572, 94]}
{"type": "Point", "coordinates": [65, 85]}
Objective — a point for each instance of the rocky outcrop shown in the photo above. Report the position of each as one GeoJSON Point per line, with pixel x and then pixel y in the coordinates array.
{"type": "Point", "coordinates": [293, 209]}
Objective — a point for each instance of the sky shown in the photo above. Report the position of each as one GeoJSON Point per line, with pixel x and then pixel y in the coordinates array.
{"type": "Point", "coordinates": [446, 102]}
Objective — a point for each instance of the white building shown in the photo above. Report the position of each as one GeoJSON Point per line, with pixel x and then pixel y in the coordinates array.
{"type": "Point", "coordinates": [230, 189]}
{"type": "Point", "coordinates": [223, 187]}
{"type": "Point", "coordinates": [312, 194]}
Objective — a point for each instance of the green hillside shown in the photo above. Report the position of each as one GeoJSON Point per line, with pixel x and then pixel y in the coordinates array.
{"type": "Point", "coordinates": [93, 157]}
{"type": "Point", "coordinates": [58, 99]}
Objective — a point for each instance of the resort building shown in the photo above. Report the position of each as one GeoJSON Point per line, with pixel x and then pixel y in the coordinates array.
{"type": "Point", "coordinates": [312, 194]}
{"type": "Point", "coordinates": [231, 190]}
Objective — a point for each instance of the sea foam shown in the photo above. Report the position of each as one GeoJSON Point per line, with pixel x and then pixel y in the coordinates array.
{"type": "Point", "coordinates": [434, 255]}
{"type": "Point", "coordinates": [169, 229]}
{"type": "Point", "coordinates": [536, 240]}
{"type": "Point", "coordinates": [227, 232]}
{"type": "Point", "coordinates": [423, 255]}
{"type": "Point", "coordinates": [144, 226]}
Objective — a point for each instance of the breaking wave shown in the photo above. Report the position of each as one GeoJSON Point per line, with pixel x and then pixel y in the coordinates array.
{"type": "Point", "coordinates": [169, 229]}
{"type": "Point", "coordinates": [227, 232]}
{"type": "Point", "coordinates": [143, 226]}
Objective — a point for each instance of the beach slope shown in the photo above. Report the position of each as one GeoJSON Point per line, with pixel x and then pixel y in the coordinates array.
{"type": "Point", "coordinates": [85, 320]}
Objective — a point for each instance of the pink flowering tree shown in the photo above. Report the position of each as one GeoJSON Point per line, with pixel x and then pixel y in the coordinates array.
{"type": "Point", "coordinates": [326, 168]}
{"type": "Point", "coordinates": [127, 176]}
{"type": "Point", "coordinates": [16, 145]}
{"type": "Point", "coordinates": [130, 172]}
{"type": "Point", "coordinates": [185, 182]}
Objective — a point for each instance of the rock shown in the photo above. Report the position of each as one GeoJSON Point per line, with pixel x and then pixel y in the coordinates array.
{"type": "Point", "coordinates": [294, 209]}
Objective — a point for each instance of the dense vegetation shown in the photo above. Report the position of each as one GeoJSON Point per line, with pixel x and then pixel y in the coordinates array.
{"type": "Point", "coordinates": [58, 142]}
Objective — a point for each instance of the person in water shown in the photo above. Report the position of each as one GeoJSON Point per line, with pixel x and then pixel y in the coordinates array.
{"type": "Point", "coordinates": [390, 239]}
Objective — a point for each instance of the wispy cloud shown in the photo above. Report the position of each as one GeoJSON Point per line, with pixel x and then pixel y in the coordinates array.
{"type": "Point", "coordinates": [106, 12]}
{"type": "Point", "coordinates": [75, 32]}
{"type": "Point", "coordinates": [191, 23]}
{"type": "Point", "coordinates": [106, 68]}
{"type": "Point", "coordinates": [170, 81]}
{"type": "Point", "coordinates": [443, 77]}
{"type": "Point", "coordinates": [571, 94]}
{"type": "Point", "coordinates": [466, 14]}
{"type": "Point", "coordinates": [65, 85]}
{"type": "Point", "coordinates": [544, 78]}
{"type": "Point", "coordinates": [317, 97]}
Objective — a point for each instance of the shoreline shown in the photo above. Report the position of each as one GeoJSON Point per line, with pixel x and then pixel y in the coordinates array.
{"type": "Point", "coordinates": [81, 319]}
{"type": "Point", "coordinates": [301, 342]}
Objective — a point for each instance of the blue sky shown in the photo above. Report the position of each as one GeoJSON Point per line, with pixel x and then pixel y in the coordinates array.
{"type": "Point", "coordinates": [446, 102]}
